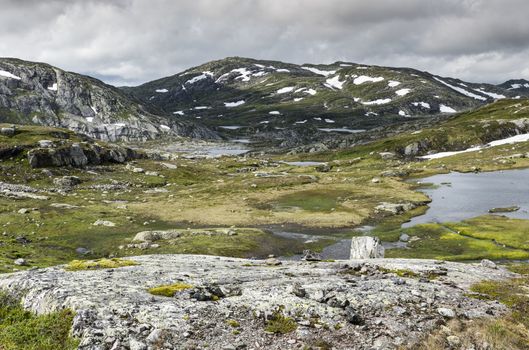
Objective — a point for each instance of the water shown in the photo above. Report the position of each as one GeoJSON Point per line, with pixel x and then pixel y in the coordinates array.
{"type": "Point", "coordinates": [459, 196]}
{"type": "Point", "coordinates": [305, 163]}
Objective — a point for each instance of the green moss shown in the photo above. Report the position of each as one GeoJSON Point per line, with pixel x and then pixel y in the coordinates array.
{"type": "Point", "coordinates": [512, 293]}
{"type": "Point", "coordinates": [23, 330]}
{"type": "Point", "coordinates": [401, 272]}
{"type": "Point", "coordinates": [170, 290]}
{"type": "Point", "coordinates": [233, 323]}
{"type": "Point", "coordinates": [441, 241]}
{"type": "Point", "coordinates": [280, 324]}
{"type": "Point", "coordinates": [522, 269]}
{"type": "Point", "coordinates": [77, 265]}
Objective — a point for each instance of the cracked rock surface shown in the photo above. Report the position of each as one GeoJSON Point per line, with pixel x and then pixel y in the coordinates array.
{"type": "Point", "coordinates": [349, 304]}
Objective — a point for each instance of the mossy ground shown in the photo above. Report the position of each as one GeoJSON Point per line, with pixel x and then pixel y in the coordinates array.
{"type": "Point", "coordinates": [23, 330]}
{"type": "Point", "coordinates": [223, 193]}
{"type": "Point", "coordinates": [169, 290]}
{"type": "Point", "coordinates": [78, 265]}
{"type": "Point", "coordinates": [485, 237]}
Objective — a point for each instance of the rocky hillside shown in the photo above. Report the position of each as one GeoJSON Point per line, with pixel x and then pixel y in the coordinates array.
{"type": "Point", "coordinates": [241, 93]}
{"type": "Point", "coordinates": [226, 303]}
{"type": "Point", "coordinates": [37, 93]}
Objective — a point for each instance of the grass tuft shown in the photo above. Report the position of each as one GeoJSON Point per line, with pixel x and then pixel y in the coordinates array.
{"type": "Point", "coordinates": [169, 290]}
{"type": "Point", "coordinates": [23, 330]}
{"type": "Point", "coordinates": [280, 324]}
{"type": "Point", "coordinates": [79, 265]}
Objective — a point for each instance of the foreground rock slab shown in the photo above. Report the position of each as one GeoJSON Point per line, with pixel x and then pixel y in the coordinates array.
{"type": "Point", "coordinates": [353, 304]}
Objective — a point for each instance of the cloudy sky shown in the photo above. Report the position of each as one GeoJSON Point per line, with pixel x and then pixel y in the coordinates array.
{"type": "Point", "coordinates": [133, 41]}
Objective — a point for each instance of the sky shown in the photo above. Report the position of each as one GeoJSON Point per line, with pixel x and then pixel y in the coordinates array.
{"type": "Point", "coordinates": [129, 42]}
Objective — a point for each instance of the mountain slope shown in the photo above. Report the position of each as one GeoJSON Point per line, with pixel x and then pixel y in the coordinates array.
{"type": "Point", "coordinates": [42, 94]}
{"type": "Point", "coordinates": [264, 94]}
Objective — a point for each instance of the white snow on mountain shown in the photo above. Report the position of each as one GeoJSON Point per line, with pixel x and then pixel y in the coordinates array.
{"type": "Point", "coordinates": [325, 73]}
{"type": "Point", "coordinates": [446, 109]}
{"type": "Point", "coordinates": [234, 104]}
{"type": "Point", "coordinates": [422, 104]}
{"type": "Point", "coordinates": [461, 90]}
{"type": "Point", "coordinates": [381, 101]}
{"type": "Point", "coordinates": [285, 90]}
{"type": "Point", "coordinates": [403, 92]}
{"type": "Point", "coordinates": [335, 82]}
{"type": "Point", "coordinates": [364, 79]}
{"type": "Point", "coordinates": [161, 91]}
{"type": "Point", "coordinates": [3, 73]}
{"type": "Point", "coordinates": [200, 77]}
{"type": "Point", "coordinates": [491, 94]}
{"type": "Point", "coordinates": [393, 83]}
{"type": "Point", "coordinates": [54, 87]}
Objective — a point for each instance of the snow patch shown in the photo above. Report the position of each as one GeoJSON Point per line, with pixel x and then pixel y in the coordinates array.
{"type": "Point", "coordinates": [161, 91]}
{"type": "Point", "coordinates": [298, 99]}
{"type": "Point", "coordinates": [335, 82]}
{"type": "Point", "coordinates": [285, 90]}
{"type": "Point", "coordinates": [403, 92]}
{"type": "Point", "coordinates": [179, 112]}
{"type": "Point", "coordinates": [380, 101]}
{"type": "Point", "coordinates": [461, 90]}
{"type": "Point", "coordinates": [506, 141]}
{"type": "Point", "coordinates": [200, 77]}
{"type": "Point", "coordinates": [491, 94]}
{"type": "Point", "coordinates": [301, 122]}
{"type": "Point", "coordinates": [393, 83]}
{"type": "Point", "coordinates": [325, 73]}
{"type": "Point", "coordinates": [446, 109]}
{"type": "Point", "coordinates": [3, 73]}
{"type": "Point", "coordinates": [201, 107]}
{"type": "Point", "coordinates": [234, 104]}
{"type": "Point", "coordinates": [364, 79]}
{"type": "Point", "coordinates": [282, 70]}
{"type": "Point", "coordinates": [165, 127]}
{"type": "Point", "coordinates": [330, 121]}
{"type": "Point", "coordinates": [274, 113]}
{"type": "Point", "coordinates": [54, 87]}
{"type": "Point", "coordinates": [90, 119]}
{"type": "Point", "coordinates": [422, 104]}
{"type": "Point", "coordinates": [513, 86]}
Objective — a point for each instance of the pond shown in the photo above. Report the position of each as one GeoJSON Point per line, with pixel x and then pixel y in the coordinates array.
{"type": "Point", "coordinates": [460, 196]}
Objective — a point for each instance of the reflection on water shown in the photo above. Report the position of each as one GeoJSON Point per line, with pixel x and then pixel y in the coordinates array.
{"type": "Point", "coordinates": [460, 196]}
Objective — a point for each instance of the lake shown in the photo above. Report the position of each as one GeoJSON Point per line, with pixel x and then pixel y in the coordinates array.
{"type": "Point", "coordinates": [460, 196]}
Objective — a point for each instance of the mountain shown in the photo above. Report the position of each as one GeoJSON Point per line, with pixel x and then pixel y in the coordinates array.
{"type": "Point", "coordinates": [37, 93]}
{"type": "Point", "coordinates": [262, 95]}
{"type": "Point", "coordinates": [517, 86]}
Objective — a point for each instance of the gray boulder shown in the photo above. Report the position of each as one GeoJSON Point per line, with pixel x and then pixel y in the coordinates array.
{"type": "Point", "coordinates": [366, 248]}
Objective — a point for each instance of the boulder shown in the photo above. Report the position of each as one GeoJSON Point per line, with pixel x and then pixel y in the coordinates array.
{"type": "Point", "coordinates": [104, 223]}
{"type": "Point", "coordinates": [152, 236]}
{"type": "Point", "coordinates": [366, 248]}
{"type": "Point", "coordinates": [67, 181]}
{"type": "Point", "coordinates": [309, 255]}
{"type": "Point", "coordinates": [8, 131]}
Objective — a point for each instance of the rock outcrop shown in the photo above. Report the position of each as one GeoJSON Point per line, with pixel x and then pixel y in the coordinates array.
{"type": "Point", "coordinates": [79, 155]}
{"type": "Point", "coordinates": [227, 303]}
{"type": "Point", "coordinates": [37, 93]}
{"type": "Point", "coordinates": [366, 248]}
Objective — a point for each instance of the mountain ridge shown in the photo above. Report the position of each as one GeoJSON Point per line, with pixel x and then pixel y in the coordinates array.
{"type": "Point", "coordinates": [238, 96]}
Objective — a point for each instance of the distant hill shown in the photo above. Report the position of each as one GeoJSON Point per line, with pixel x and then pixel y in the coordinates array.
{"type": "Point", "coordinates": [256, 94]}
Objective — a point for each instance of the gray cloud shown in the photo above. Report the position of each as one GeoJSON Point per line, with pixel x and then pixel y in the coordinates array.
{"type": "Point", "coordinates": [133, 41]}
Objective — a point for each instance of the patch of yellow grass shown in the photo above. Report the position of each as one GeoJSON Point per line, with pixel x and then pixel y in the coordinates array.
{"type": "Point", "coordinates": [169, 290]}
{"type": "Point", "coordinates": [78, 265]}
